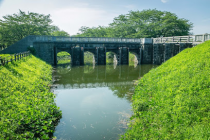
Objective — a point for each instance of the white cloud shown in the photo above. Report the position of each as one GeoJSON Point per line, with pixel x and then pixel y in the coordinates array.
{"type": "Point", "coordinates": [164, 1]}
{"type": "Point", "coordinates": [68, 17]}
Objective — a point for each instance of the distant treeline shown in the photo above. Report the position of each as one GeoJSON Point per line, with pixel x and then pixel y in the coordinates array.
{"type": "Point", "coordinates": [141, 24]}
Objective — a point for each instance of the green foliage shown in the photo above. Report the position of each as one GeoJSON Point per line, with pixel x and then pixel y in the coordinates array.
{"type": "Point", "coordinates": [93, 32]}
{"type": "Point", "coordinates": [172, 101]}
{"type": "Point", "coordinates": [132, 58]}
{"type": "Point", "coordinates": [27, 108]}
{"type": "Point", "coordinates": [17, 26]}
{"type": "Point", "coordinates": [110, 58]}
{"type": "Point", "coordinates": [32, 50]}
{"type": "Point", "coordinates": [7, 56]}
{"type": "Point", "coordinates": [141, 24]}
{"type": "Point", "coordinates": [60, 33]}
{"type": "Point", "coordinates": [88, 58]}
{"type": "Point", "coordinates": [63, 57]}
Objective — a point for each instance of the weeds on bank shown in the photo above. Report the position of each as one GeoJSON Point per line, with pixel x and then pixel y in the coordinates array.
{"type": "Point", "coordinates": [173, 100]}
{"type": "Point", "coordinates": [27, 108]}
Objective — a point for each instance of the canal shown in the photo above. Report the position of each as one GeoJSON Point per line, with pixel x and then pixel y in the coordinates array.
{"type": "Point", "coordinates": [95, 100]}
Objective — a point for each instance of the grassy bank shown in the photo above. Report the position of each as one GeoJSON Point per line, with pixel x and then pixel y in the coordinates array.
{"type": "Point", "coordinates": [27, 108]}
{"type": "Point", "coordinates": [173, 100]}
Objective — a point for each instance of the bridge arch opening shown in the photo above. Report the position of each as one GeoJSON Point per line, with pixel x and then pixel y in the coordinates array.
{"type": "Point", "coordinates": [89, 58]}
{"type": "Point", "coordinates": [133, 59]}
{"type": "Point", "coordinates": [111, 58]}
{"type": "Point", "coordinates": [63, 57]}
{"type": "Point", "coordinates": [89, 62]}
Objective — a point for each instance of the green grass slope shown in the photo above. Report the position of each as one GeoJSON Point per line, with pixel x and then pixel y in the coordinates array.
{"type": "Point", "coordinates": [173, 101]}
{"type": "Point", "coordinates": [27, 108]}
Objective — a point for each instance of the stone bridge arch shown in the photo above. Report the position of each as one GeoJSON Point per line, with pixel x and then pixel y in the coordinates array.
{"type": "Point", "coordinates": [60, 48]}
{"type": "Point", "coordinates": [137, 53]}
{"type": "Point", "coordinates": [87, 52]}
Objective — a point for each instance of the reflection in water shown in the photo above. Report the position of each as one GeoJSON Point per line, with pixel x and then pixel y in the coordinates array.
{"type": "Point", "coordinates": [95, 101]}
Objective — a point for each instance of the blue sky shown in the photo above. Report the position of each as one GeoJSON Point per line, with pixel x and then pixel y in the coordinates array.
{"type": "Point", "coordinates": [70, 15]}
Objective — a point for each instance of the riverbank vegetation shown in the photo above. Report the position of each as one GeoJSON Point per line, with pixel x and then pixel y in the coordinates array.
{"type": "Point", "coordinates": [27, 108]}
{"type": "Point", "coordinates": [172, 101]}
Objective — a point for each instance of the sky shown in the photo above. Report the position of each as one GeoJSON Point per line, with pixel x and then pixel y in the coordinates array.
{"type": "Point", "coordinates": [71, 15]}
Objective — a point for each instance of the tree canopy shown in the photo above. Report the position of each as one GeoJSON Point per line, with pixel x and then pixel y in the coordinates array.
{"type": "Point", "coordinates": [17, 26]}
{"type": "Point", "coordinates": [140, 24]}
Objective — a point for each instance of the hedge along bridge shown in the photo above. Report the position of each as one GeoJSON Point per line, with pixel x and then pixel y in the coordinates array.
{"type": "Point", "coordinates": [146, 50]}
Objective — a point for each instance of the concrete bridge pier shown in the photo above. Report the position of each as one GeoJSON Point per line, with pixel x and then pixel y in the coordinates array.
{"type": "Point", "coordinates": [77, 56]}
{"type": "Point", "coordinates": [124, 56]}
{"type": "Point", "coordinates": [101, 55]}
{"type": "Point", "coordinates": [139, 58]}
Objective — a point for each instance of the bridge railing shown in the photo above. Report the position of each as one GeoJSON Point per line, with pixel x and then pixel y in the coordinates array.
{"type": "Point", "coordinates": [87, 39]}
{"type": "Point", "coordinates": [173, 39]}
{"type": "Point", "coordinates": [183, 39]}
{"type": "Point", "coordinates": [13, 57]}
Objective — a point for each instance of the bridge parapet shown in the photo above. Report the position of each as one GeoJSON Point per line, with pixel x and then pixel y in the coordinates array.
{"type": "Point", "coordinates": [87, 39]}
{"type": "Point", "coordinates": [195, 39]}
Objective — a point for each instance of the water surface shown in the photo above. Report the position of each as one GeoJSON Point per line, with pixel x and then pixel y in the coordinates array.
{"type": "Point", "coordinates": [95, 100]}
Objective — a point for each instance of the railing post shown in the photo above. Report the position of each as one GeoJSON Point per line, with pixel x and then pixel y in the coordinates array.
{"type": "Point", "coordinates": [11, 58]}
{"type": "Point", "coordinates": [1, 60]}
{"type": "Point", "coordinates": [4, 60]}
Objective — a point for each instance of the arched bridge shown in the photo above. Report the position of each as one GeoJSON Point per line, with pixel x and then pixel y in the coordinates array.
{"type": "Point", "coordinates": [147, 50]}
{"type": "Point", "coordinates": [48, 48]}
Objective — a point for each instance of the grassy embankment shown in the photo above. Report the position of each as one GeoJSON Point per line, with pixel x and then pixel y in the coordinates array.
{"type": "Point", "coordinates": [27, 106]}
{"type": "Point", "coordinates": [173, 101]}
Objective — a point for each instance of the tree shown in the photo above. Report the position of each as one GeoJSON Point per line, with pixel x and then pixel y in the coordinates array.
{"type": "Point", "coordinates": [150, 23]}
{"type": "Point", "coordinates": [99, 31]}
{"type": "Point", "coordinates": [17, 26]}
{"type": "Point", "coordinates": [60, 33]}
{"type": "Point", "coordinates": [142, 24]}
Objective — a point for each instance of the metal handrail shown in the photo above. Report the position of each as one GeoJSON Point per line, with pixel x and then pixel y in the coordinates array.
{"type": "Point", "coordinates": [182, 39]}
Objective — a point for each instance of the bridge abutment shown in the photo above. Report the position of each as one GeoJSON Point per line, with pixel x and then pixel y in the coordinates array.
{"type": "Point", "coordinates": [45, 51]}
{"type": "Point", "coordinates": [164, 51]}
